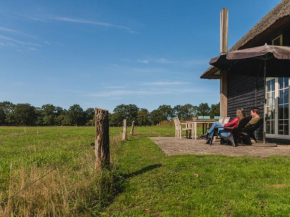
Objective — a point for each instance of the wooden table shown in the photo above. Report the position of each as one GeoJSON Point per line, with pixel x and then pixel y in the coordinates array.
{"type": "Point", "coordinates": [194, 125]}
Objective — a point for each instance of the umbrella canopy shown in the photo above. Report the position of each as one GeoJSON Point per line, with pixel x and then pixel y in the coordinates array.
{"type": "Point", "coordinates": [251, 61]}
{"type": "Point", "coordinates": [264, 61]}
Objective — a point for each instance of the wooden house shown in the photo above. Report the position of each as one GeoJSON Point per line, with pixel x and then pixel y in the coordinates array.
{"type": "Point", "coordinates": [240, 91]}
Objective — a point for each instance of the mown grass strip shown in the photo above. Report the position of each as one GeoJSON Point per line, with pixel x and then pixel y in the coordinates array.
{"type": "Point", "coordinates": [209, 185]}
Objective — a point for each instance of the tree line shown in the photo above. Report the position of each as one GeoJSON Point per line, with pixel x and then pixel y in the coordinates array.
{"type": "Point", "coordinates": [24, 114]}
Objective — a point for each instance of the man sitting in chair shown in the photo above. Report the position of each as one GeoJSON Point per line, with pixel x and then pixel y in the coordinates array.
{"type": "Point", "coordinates": [251, 126]}
{"type": "Point", "coordinates": [255, 113]}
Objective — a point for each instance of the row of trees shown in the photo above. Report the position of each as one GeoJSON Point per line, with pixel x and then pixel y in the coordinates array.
{"type": "Point", "coordinates": [50, 115]}
{"type": "Point", "coordinates": [47, 115]}
{"type": "Point", "coordinates": [143, 117]}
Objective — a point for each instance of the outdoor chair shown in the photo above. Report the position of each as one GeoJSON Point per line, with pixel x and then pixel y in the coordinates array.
{"type": "Point", "coordinates": [179, 127]}
{"type": "Point", "coordinates": [235, 131]}
{"type": "Point", "coordinates": [249, 130]}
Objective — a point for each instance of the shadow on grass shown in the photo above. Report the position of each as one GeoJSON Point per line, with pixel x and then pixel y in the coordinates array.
{"type": "Point", "coordinates": [144, 170]}
{"type": "Point", "coordinates": [120, 184]}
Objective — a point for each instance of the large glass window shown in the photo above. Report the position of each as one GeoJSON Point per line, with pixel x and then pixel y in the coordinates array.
{"type": "Point", "coordinates": [270, 107]}
{"type": "Point", "coordinates": [283, 106]}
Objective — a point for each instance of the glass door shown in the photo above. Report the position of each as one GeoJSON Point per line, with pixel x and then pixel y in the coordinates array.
{"type": "Point", "coordinates": [283, 106]}
{"type": "Point", "coordinates": [270, 106]}
{"type": "Point", "coordinates": [277, 108]}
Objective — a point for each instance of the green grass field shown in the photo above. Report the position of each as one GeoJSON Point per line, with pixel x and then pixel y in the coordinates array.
{"type": "Point", "coordinates": [142, 181]}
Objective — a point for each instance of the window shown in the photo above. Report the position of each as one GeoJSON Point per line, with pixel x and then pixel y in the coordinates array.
{"type": "Point", "coordinates": [278, 41]}
{"type": "Point", "coordinates": [270, 106]}
{"type": "Point", "coordinates": [283, 106]}
{"type": "Point", "coordinates": [277, 112]}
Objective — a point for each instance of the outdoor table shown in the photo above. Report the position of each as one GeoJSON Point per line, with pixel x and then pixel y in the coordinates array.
{"type": "Point", "coordinates": [194, 125]}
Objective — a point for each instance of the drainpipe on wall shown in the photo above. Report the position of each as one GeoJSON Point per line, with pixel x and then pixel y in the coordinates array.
{"type": "Point", "coordinates": [224, 18]}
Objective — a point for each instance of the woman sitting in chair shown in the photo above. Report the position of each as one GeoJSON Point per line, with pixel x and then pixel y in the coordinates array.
{"type": "Point", "coordinates": [234, 123]}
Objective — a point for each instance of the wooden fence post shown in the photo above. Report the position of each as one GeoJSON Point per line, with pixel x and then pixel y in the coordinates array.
{"type": "Point", "coordinates": [124, 135]}
{"type": "Point", "coordinates": [102, 141]}
{"type": "Point", "coordinates": [132, 128]}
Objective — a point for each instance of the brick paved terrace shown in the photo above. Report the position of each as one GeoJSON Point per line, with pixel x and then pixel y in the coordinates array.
{"type": "Point", "coordinates": [175, 146]}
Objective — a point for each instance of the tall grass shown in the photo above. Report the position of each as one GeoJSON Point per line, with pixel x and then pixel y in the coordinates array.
{"type": "Point", "coordinates": [73, 188]}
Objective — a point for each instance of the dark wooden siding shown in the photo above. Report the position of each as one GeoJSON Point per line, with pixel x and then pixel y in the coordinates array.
{"type": "Point", "coordinates": [241, 89]}
{"type": "Point", "coordinates": [286, 37]}
{"type": "Point", "coordinates": [241, 94]}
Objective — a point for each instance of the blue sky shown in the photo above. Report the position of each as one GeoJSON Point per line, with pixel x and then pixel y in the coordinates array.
{"type": "Point", "coordinates": [105, 53]}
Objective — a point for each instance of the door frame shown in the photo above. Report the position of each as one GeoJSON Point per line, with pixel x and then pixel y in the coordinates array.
{"type": "Point", "coordinates": [276, 121]}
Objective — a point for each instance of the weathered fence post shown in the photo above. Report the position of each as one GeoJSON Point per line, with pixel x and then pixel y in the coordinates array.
{"type": "Point", "coordinates": [124, 135]}
{"type": "Point", "coordinates": [102, 141]}
{"type": "Point", "coordinates": [132, 128]}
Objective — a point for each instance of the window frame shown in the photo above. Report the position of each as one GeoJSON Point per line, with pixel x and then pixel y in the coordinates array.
{"type": "Point", "coordinates": [280, 42]}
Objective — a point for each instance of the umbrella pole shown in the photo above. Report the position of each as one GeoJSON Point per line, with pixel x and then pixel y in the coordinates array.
{"type": "Point", "coordinates": [256, 91]}
{"type": "Point", "coordinates": [264, 127]}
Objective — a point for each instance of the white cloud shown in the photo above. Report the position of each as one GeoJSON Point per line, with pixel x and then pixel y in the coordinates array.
{"type": "Point", "coordinates": [47, 42]}
{"type": "Point", "coordinates": [18, 41]}
{"type": "Point", "coordinates": [165, 83]}
{"type": "Point", "coordinates": [121, 93]}
{"type": "Point", "coordinates": [143, 61]}
{"type": "Point", "coordinates": [85, 21]}
{"type": "Point", "coordinates": [114, 87]}
{"type": "Point", "coordinates": [158, 60]}
{"type": "Point", "coordinates": [182, 63]}
{"type": "Point", "coordinates": [151, 92]}
{"type": "Point", "coordinates": [7, 44]}
{"type": "Point", "coordinates": [32, 48]}
{"type": "Point", "coordinates": [197, 62]}
{"type": "Point", "coordinates": [132, 69]}
{"type": "Point", "coordinates": [163, 61]}
{"type": "Point", "coordinates": [20, 84]}
{"type": "Point", "coordinates": [37, 18]}
{"type": "Point", "coordinates": [4, 29]}
{"type": "Point", "coordinates": [149, 70]}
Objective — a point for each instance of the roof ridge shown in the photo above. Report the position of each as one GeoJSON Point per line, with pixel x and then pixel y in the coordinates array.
{"type": "Point", "coordinates": [276, 12]}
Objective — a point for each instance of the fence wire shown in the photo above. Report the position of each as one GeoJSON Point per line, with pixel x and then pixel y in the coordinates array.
{"type": "Point", "coordinates": [37, 180]}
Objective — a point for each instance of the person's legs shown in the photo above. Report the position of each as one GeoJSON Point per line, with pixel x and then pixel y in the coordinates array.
{"type": "Point", "coordinates": [246, 139]}
{"type": "Point", "coordinates": [215, 124]}
{"type": "Point", "coordinates": [224, 133]}
{"type": "Point", "coordinates": [211, 130]}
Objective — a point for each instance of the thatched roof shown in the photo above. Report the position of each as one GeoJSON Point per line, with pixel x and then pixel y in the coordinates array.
{"type": "Point", "coordinates": [277, 17]}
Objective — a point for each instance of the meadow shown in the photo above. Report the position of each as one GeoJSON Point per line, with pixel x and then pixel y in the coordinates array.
{"type": "Point", "coordinates": [141, 182]}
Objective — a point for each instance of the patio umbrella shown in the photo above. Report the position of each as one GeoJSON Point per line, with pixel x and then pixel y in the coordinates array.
{"type": "Point", "coordinates": [247, 62]}
{"type": "Point", "coordinates": [275, 61]}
